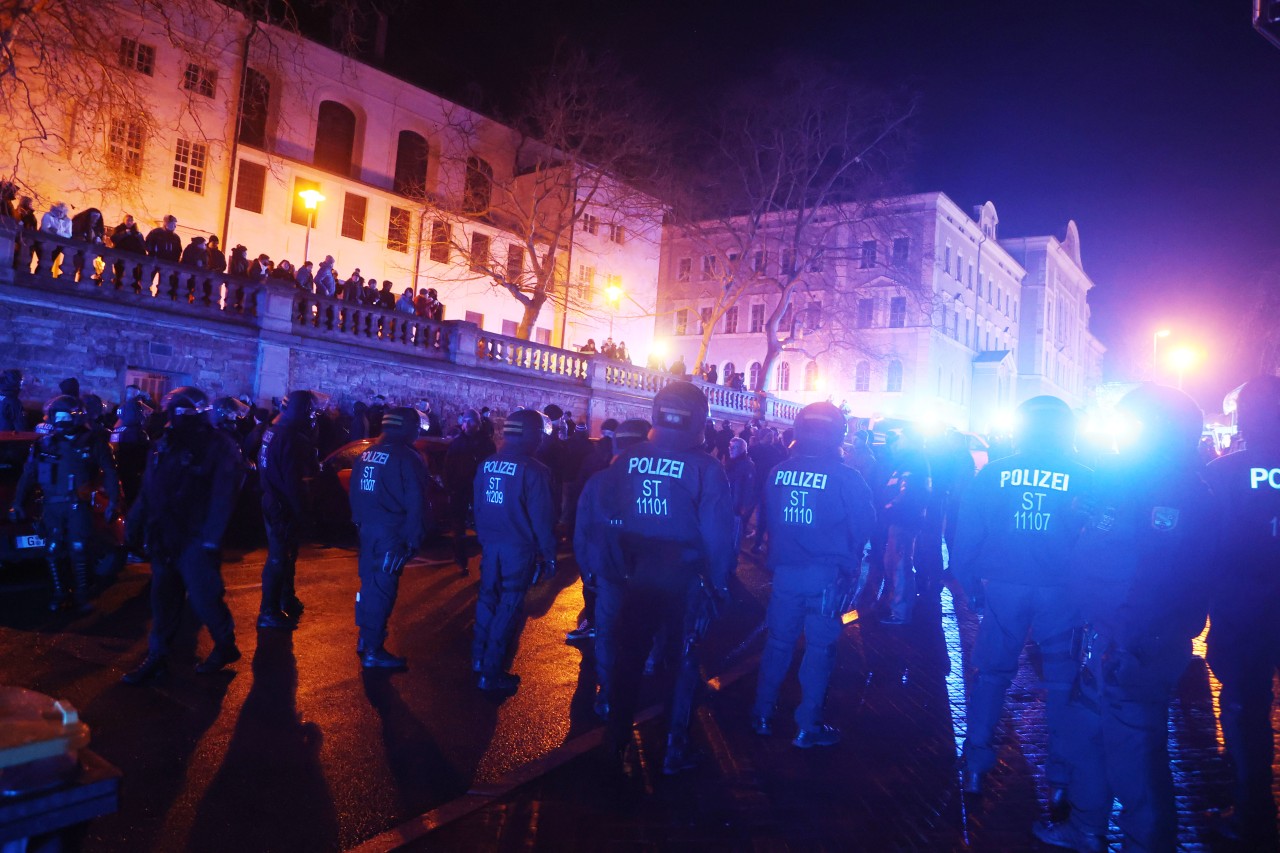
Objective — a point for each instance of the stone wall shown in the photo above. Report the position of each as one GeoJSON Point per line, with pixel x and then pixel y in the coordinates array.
{"type": "Point", "coordinates": [234, 336]}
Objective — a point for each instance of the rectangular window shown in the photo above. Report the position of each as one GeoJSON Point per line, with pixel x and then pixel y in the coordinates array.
{"type": "Point", "coordinates": [475, 317]}
{"type": "Point", "coordinates": [253, 108]}
{"type": "Point", "coordinates": [813, 316]}
{"type": "Point", "coordinates": [398, 220]}
{"type": "Point", "coordinates": [731, 321]}
{"type": "Point", "coordinates": [898, 312]}
{"type": "Point", "coordinates": [617, 233]}
{"type": "Point", "coordinates": [515, 262]}
{"type": "Point", "coordinates": [299, 215]}
{"type": "Point", "coordinates": [188, 166]}
{"type": "Point", "coordinates": [589, 223]}
{"type": "Point", "coordinates": [682, 322]}
{"type": "Point", "coordinates": [758, 262]}
{"type": "Point", "coordinates": [137, 56]}
{"type": "Point", "coordinates": [757, 318]}
{"type": "Point", "coordinates": [202, 81]}
{"type": "Point", "coordinates": [966, 332]}
{"type": "Point", "coordinates": [946, 259]}
{"type": "Point", "coordinates": [251, 184]}
{"type": "Point", "coordinates": [959, 264]}
{"type": "Point", "coordinates": [542, 336]}
{"type": "Point", "coordinates": [441, 237]}
{"type": "Point", "coordinates": [788, 262]}
{"type": "Point", "coordinates": [868, 259]}
{"type": "Point", "coordinates": [866, 313]}
{"type": "Point", "coordinates": [586, 282]}
{"type": "Point", "coordinates": [684, 269]}
{"type": "Point", "coordinates": [784, 323]}
{"type": "Point", "coordinates": [509, 328]}
{"type": "Point", "coordinates": [479, 252]}
{"type": "Point", "coordinates": [901, 249]}
{"type": "Point", "coordinates": [708, 266]}
{"type": "Point", "coordinates": [970, 276]}
{"type": "Point", "coordinates": [705, 317]}
{"type": "Point", "coordinates": [353, 213]}
{"type": "Point", "coordinates": [124, 146]}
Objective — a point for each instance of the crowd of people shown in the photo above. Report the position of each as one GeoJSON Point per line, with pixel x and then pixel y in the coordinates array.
{"type": "Point", "coordinates": [163, 243]}
{"type": "Point", "coordinates": [1107, 569]}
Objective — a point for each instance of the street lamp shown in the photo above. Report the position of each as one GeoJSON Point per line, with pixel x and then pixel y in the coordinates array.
{"type": "Point", "coordinates": [1181, 359]}
{"type": "Point", "coordinates": [310, 200]}
{"type": "Point", "coordinates": [1155, 351]}
{"type": "Point", "coordinates": [613, 295]}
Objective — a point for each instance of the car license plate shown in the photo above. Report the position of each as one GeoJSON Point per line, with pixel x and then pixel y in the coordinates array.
{"type": "Point", "coordinates": [29, 542]}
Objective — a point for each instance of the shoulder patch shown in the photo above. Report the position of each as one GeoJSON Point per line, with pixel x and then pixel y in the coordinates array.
{"type": "Point", "coordinates": [1164, 518]}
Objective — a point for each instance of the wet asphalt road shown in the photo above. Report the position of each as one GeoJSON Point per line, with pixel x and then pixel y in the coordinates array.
{"type": "Point", "coordinates": [294, 748]}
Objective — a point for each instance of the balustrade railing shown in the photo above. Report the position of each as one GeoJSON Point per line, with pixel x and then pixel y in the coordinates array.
{"type": "Point", "coordinates": [124, 275]}
{"type": "Point", "coordinates": [635, 378]}
{"type": "Point", "coordinates": [527, 355]}
{"type": "Point", "coordinates": [338, 319]}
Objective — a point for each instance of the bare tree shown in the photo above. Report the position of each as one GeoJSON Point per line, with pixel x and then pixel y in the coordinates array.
{"type": "Point", "coordinates": [585, 144]}
{"type": "Point", "coordinates": [787, 181]}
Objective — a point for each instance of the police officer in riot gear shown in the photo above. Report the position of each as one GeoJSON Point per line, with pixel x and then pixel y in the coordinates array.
{"type": "Point", "coordinates": [515, 521]}
{"type": "Point", "coordinates": [1019, 522]}
{"type": "Point", "coordinates": [1139, 575]}
{"type": "Point", "coordinates": [286, 459]}
{"type": "Point", "coordinates": [466, 451]}
{"type": "Point", "coordinates": [1244, 635]}
{"type": "Point", "coordinates": [228, 414]}
{"type": "Point", "coordinates": [130, 445]}
{"type": "Point", "coordinates": [64, 463]}
{"type": "Point", "coordinates": [592, 552]}
{"type": "Point", "coordinates": [670, 530]}
{"type": "Point", "coordinates": [820, 517]}
{"type": "Point", "coordinates": [389, 505]}
{"type": "Point", "coordinates": [188, 494]}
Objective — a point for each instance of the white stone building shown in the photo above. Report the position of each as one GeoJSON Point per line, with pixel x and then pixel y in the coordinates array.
{"type": "Point", "coordinates": [922, 317]}
{"type": "Point", "coordinates": [238, 118]}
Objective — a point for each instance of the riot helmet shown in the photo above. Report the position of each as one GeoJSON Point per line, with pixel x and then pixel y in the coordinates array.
{"type": "Point", "coordinates": [630, 433]}
{"type": "Point", "coordinates": [132, 413]}
{"type": "Point", "coordinates": [1258, 411]}
{"type": "Point", "coordinates": [679, 416]}
{"type": "Point", "coordinates": [1044, 423]}
{"type": "Point", "coordinates": [400, 425]}
{"type": "Point", "coordinates": [184, 405]}
{"type": "Point", "coordinates": [524, 431]}
{"type": "Point", "coordinates": [64, 414]}
{"type": "Point", "coordinates": [1163, 424]}
{"type": "Point", "coordinates": [228, 410]}
{"type": "Point", "coordinates": [303, 406]}
{"type": "Point", "coordinates": [820, 428]}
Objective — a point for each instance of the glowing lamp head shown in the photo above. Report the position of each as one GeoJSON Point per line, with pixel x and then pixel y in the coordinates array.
{"type": "Point", "coordinates": [613, 293]}
{"type": "Point", "coordinates": [1183, 358]}
{"type": "Point", "coordinates": [311, 198]}
{"type": "Point", "coordinates": [659, 348]}
{"type": "Point", "coordinates": [1163, 333]}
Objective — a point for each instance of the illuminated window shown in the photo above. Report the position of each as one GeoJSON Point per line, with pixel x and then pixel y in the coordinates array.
{"type": "Point", "coordinates": [753, 375]}
{"type": "Point", "coordinates": [587, 282]}
{"type": "Point", "coordinates": [589, 223]}
{"type": "Point", "coordinates": [124, 146]}
{"type": "Point", "coordinates": [202, 81]}
{"type": "Point", "coordinates": [188, 166]}
{"type": "Point", "coordinates": [784, 376]}
{"type": "Point", "coordinates": [299, 215]}
{"type": "Point", "coordinates": [811, 376]}
{"type": "Point", "coordinates": [137, 56]}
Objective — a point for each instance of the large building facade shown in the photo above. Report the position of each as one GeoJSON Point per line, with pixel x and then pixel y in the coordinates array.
{"type": "Point", "coordinates": [231, 119]}
{"type": "Point", "coordinates": [926, 314]}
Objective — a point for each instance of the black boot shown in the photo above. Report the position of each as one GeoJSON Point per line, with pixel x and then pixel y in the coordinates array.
{"type": "Point", "coordinates": [498, 682]}
{"type": "Point", "coordinates": [679, 756]}
{"type": "Point", "coordinates": [83, 591]}
{"type": "Point", "coordinates": [218, 658]}
{"type": "Point", "coordinates": [152, 666]}
{"type": "Point", "coordinates": [380, 658]}
{"type": "Point", "coordinates": [59, 599]}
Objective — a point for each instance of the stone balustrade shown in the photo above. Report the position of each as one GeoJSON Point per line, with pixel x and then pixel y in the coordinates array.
{"type": "Point", "coordinates": [235, 332]}
{"type": "Point", "coordinates": [124, 276]}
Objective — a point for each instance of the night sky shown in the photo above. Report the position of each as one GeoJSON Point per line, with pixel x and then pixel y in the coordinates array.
{"type": "Point", "coordinates": [1154, 125]}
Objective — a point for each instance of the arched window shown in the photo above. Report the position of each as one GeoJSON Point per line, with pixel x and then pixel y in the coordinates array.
{"type": "Point", "coordinates": [335, 138]}
{"type": "Point", "coordinates": [862, 376]}
{"type": "Point", "coordinates": [411, 165]}
{"type": "Point", "coordinates": [894, 382]}
{"type": "Point", "coordinates": [811, 376]}
{"type": "Point", "coordinates": [726, 375]}
{"type": "Point", "coordinates": [784, 376]}
{"type": "Point", "coordinates": [753, 376]}
{"type": "Point", "coordinates": [478, 189]}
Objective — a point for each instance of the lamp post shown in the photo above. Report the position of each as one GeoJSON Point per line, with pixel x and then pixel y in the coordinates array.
{"type": "Point", "coordinates": [310, 199]}
{"type": "Point", "coordinates": [1155, 352]}
{"type": "Point", "coordinates": [1181, 359]}
{"type": "Point", "coordinates": [613, 295]}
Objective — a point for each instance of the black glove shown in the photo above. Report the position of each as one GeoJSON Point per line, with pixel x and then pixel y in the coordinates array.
{"type": "Point", "coordinates": [543, 570]}
{"type": "Point", "coordinates": [393, 561]}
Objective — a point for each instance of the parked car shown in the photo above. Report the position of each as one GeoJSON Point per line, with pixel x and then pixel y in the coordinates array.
{"type": "Point", "coordinates": [331, 488]}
